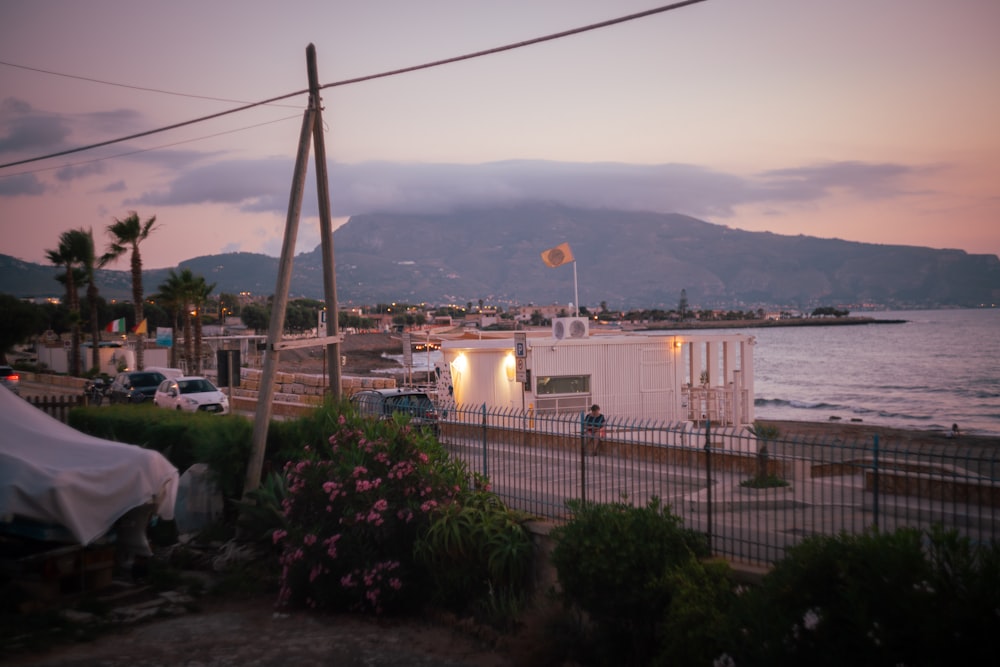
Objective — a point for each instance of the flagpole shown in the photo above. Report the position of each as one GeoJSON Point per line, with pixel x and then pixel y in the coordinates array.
{"type": "Point", "coordinates": [576, 291]}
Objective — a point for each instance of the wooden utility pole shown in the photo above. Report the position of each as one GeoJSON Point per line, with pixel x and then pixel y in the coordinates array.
{"type": "Point", "coordinates": [325, 231]}
{"type": "Point", "coordinates": [312, 127]}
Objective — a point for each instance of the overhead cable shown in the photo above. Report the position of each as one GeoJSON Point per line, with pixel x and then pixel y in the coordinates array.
{"type": "Point", "coordinates": [436, 63]}
{"type": "Point", "coordinates": [123, 85]}
{"type": "Point", "coordinates": [516, 45]}
{"type": "Point", "coordinates": [151, 148]}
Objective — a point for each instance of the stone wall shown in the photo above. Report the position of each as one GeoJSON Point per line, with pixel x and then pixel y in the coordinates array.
{"type": "Point", "coordinates": [296, 393]}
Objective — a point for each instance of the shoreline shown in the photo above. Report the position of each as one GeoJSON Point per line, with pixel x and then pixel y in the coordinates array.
{"type": "Point", "coordinates": [764, 324]}
{"type": "Point", "coordinates": [363, 355]}
{"type": "Point", "coordinates": [856, 433]}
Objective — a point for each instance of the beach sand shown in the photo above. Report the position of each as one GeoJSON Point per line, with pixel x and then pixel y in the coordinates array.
{"type": "Point", "coordinates": [835, 432]}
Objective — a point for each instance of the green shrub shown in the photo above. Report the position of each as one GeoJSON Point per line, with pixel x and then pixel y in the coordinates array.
{"type": "Point", "coordinates": [765, 482]}
{"type": "Point", "coordinates": [263, 512]}
{"type": "Point", "coordinates": [697, 618]}
{"type": "Point", "coordinates": [223, 442]}
{"type": "Point", "coordinates": [478, 557]}
{"type": "Point", "coordinates": [901, 598]}
{"type": "Point", "coordinates": [613, 562]}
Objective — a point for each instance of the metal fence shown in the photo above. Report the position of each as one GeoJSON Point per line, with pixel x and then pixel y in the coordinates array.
{"type": "Point", "coordinates": [57, 406]}
{"type": "Point", "coordinates": [538, 462]}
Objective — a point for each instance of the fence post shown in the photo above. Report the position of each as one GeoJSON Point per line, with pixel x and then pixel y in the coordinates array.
{"type": "Point", "coordinates": [486, 464]}
{"type": "Point", "coordinates": [583, 460]}
{"type": "Point", "coordinates": [875, 482]}
{"type": "Point", "coordinates": [708, 475]}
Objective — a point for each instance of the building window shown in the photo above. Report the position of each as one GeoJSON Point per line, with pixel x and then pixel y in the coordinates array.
{"type": "Point", "coordinates": [562, 384]}
{"type": "Point", "coordinates": [558, 394]}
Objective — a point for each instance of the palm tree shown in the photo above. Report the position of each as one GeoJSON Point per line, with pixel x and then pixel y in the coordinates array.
{"type": "Point", "coordinates": [126, 236]}
{"type": "Point", "coordinates": [83, 244]}
{"type": "Point", "coordinates": [64, 256]}
{"type": "Point", "coordinates": [172, 299]}
{"type": "Point", "coordinates": [199, 296]}
{"type": "Point", "coordinates": [184, 294]}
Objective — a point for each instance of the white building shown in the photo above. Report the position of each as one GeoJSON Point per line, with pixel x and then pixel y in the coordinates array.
{"type": "Point", "coordinates": [683, 377]}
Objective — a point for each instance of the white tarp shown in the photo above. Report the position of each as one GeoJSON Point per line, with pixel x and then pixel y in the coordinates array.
{"type": "Point", "coordinates": [52, 473]}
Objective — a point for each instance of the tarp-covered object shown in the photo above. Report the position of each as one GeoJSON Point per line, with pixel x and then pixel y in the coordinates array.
{"type": "Point", "coordinates": [52, 473]}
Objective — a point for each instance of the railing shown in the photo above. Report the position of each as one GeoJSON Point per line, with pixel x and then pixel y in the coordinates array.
{"type": "Point", "coordinates": [537, 462]}
{"type": "Point", "coordinates": [57, 406]}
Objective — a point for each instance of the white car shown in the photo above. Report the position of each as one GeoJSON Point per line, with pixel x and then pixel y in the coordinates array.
{"type": "Point", "coordinates": [191, 394]}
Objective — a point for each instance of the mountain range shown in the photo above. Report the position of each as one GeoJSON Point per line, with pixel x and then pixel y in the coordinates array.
{"type": "Point", "coordinates": [626, 259]}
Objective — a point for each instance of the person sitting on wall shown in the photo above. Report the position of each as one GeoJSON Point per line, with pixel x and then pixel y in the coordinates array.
{"type": "Point", "coordinates": [954, 433]}
{"type": "Point", "coordinates": [593, 428]}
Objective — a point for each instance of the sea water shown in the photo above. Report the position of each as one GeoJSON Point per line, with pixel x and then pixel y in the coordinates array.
{"type": "Point", "coordinates": [937, 368]}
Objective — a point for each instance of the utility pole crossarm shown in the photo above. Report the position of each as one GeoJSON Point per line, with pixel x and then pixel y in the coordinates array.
{"type": "Point", "coordinates": [298, 343]}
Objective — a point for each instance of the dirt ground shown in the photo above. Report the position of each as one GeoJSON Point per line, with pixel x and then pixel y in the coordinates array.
{"type": "Point", "coordinates": [251, 632]}
{"type": "Point", "coordinates": [362, 354]}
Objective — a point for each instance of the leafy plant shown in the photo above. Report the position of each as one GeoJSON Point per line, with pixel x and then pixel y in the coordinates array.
{"type": "Point", "coordinates": [765, 482]}
{"type": "Point", "coordinates": [263, 512]}
{"type": "Point", "coordinates": [695, 623]}
{"type": "Point", "coordinates": [764, 434]}
{"type": "Point", "coordinates": [904, 597]}
{"type": "Point", "coordinates": [478, 556]}
{"type": "Point", "coordinates": [613, 563]}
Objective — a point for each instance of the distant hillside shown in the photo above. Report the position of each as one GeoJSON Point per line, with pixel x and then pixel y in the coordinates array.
{"type": "Point", "coordinates": [623, 258]}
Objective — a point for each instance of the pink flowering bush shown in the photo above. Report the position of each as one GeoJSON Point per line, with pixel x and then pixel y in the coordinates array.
{"type": "Point", "coordinates": [354, 508]}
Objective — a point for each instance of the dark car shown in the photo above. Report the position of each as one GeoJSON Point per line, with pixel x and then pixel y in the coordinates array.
{"type": "Point", "coordinates": [134, 386]}
{"type": "Point", "coordinates": [10, 379]}
{"type": "Point", "coordinates": [384, 403]}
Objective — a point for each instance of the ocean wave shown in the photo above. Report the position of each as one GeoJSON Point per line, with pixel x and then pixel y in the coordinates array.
{"type": "Point", "coordinates": [837, 410]}
{"type": "Point", "coordinates": [804, 405]}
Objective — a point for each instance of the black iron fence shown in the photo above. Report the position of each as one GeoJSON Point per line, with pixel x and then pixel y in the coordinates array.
{"type": "Point", "coordinates": [752, 497]}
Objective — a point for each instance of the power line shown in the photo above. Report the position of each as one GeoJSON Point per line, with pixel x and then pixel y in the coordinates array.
{"type": "Point", "coordinates": [405, 70]}
{"type": "Point", "coordinates": [517, 45]}
{"type": "Point", "coordinates": [147, 133]}
{"type": "Point", "coordinates": [151, 148]}
{"type": "Point", "coordinates": [122, 85]}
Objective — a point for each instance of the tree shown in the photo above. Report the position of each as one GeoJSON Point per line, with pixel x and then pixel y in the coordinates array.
{"type": "Point", "coordinates": [682, 305]}
{"type": "Point", "coordinates": [171, 300]}
{"type": "Point", "coordinates": [229, 304]}
{"type": "Point", "coordinates": [65, 256]}
{"type": "Point", "coordinates": [302, 315]}
{"type": "Point", "coordinates": [256, 317]}
{"type": "Point", "coordinates": [829, 311]}
{"type": "Point", "coordinates": [19, 322]}
{"type": "Point", "coordinates": [83, 243]}
{"type": "Point", "coordinates": [199, 297]}
{"type": "Point", "coordinates": [126, 236]}
{"type": "Point", "coordinates": [764, 433]}
{"type": "Point", "coordinates": [183, 294]}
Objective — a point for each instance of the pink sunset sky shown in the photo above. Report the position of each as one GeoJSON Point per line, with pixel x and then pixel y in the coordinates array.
{"type": "Point", "coordinates": [866, 120]}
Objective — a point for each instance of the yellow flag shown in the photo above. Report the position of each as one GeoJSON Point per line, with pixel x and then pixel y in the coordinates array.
{"type": "Point", "coordinates": [140, 329]}
{"type": "Point", "coordinates": [561, 254]}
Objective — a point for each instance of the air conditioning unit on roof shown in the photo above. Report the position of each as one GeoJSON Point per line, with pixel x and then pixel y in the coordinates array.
{"type": "Point", "coordinates": [570, 327]}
